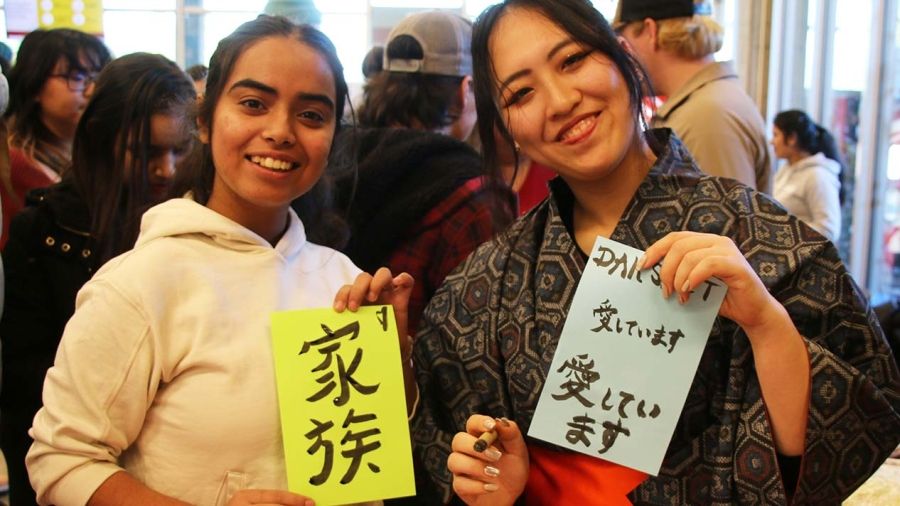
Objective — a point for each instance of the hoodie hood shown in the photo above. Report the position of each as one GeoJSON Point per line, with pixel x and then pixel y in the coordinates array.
{"type": "Point", "coordinates": [817, 160]}
{"type": "Point", "coordinates": [185, 217]}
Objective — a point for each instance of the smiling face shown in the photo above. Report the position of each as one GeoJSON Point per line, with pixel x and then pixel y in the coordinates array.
{"type": "Point", "coordinates": [565, 104]}
{"type": "Point", "coordinates": [271, 130]}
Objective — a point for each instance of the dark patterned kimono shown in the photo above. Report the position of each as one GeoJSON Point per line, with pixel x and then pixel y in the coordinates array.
{"type": "Point", "coordinates": [489, 335]}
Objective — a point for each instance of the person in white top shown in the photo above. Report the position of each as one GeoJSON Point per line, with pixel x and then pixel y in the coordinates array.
{"type": "Point", "coordinates": [809, 186]}
{"type": "Point", "coordinates": [163, 390]}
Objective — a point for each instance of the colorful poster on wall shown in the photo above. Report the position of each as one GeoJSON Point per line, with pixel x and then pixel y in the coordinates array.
{"type": "Point", "coordinates": [23, 16]}
{"type": "Point", "coordinates": [625, 361]}
{"type": "Point", "coordinates": [343, 405]}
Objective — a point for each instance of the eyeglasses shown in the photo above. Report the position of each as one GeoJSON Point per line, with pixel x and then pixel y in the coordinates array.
{"type": "Point", "coordinates": [77, 81]}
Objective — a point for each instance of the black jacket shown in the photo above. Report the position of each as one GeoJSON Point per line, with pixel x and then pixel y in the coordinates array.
{"type": "Point", "coordinates": [47, 259]}
{"type": "Point", "coordinates": [399, 176]}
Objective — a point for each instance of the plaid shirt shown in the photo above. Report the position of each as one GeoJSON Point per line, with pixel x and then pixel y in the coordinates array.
{"type": "Point", "coordinates": [442, 240]}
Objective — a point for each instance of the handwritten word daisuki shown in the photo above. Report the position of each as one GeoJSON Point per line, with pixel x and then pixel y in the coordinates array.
{"type": "Point", "coordinates": [629, 268]}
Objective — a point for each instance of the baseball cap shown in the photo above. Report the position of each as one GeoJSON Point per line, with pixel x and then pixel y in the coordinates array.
{"type": "Point", "coordinates": [637, 10]}
{"type": "Point", "coordinates": [445, 39]}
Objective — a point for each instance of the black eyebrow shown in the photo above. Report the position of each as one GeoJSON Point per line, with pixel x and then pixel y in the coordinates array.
{"type": "Point", "coordinates": [505, 84]}
{"type": "Point", "coordinates": [265, 88]}
{"type": "Point", "coordinates": [558, 47]}
{"type": "Point", "coordinates": [555, 49]}
{"type": "Point", "coordinates": [324, 99]}
{"type": "Point", "coordinates": [254, 84]}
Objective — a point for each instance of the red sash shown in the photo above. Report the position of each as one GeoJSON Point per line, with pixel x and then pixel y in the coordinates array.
{"type": "Point", "coordinates": [564, 477]}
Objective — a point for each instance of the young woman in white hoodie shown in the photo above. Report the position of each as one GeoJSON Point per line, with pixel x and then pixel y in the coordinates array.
{"type": "Point", "coordinates": [163, 390]}
{"type": "Point", "coordinates": [809, 186]}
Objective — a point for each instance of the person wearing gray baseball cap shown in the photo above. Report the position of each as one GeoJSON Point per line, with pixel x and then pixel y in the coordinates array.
{"type": "Point", "coordinates": [427, 77]}
{"type": "Point", "coordinates": [675, 41]}
{"type": "Point", "coordinates": [419, 201]}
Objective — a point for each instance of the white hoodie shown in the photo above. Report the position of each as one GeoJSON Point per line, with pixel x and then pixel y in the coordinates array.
{"type": "Point", "coordinates": [166, 368]}
{"type": "Point", "coordinates": [810, 190]}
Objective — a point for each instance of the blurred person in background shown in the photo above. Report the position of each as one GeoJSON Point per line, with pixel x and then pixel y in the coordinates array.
{"type": "Point", "coordinates": [50, 85]}
{"type": "Point", "coordinates": [372, 63]}
{"type": "Point", "coordinates": [809, 186]}
{"type": "Point", "coordinates": [420, 201]}
{"type": "Point", "coordinates": [198, 75]}
{"type": "Point", "coordinates": [134, 131]}
{"type": "Point", "coordinates": [6, 56]}
{"type": "Point", "coordinates": [706, 106]}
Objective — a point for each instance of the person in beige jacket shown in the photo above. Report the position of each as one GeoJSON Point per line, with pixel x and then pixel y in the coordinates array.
{"type": "Point", "coordinates": [707, 108]}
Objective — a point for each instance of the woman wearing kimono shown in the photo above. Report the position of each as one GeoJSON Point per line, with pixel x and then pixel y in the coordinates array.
{"type": "Point", "coordinates": [796, 396]}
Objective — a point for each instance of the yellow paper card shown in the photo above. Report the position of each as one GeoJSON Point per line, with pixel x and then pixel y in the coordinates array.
{"type": "Point", "coordinates": [84, 15]}
{"type": "Point", "coordinates": [342, 402]}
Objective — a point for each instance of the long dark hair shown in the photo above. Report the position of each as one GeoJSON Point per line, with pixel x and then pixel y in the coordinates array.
{"type": "Point", "coordinates": [811, 137]}
{"type": "Point", "coordinates": [116, 127]}
{"type": "Point", "coordinates": [323, 225]}
{"type": "Point", "coordinates": [38, 55]}
{"type": "Point", "coordinates": [579, 19]}
{"type": "Point", "coordinates": [409, 99]}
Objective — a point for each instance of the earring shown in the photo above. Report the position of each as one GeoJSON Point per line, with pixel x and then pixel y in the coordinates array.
{"type": "Point", "coordinates": [516, 144]}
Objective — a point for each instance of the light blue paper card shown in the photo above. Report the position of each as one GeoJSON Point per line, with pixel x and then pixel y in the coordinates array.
{"type": "Point", "coordinates": [625, 361]}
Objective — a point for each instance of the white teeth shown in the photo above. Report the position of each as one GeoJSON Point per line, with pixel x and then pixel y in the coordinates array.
{"type": "Point", "coordinates": [271, 163]}
{"type": "Point", "coordinates": [578, 128]}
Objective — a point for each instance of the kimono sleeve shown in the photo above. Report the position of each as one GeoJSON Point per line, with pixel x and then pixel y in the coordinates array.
{"type": "Point", "coordinates": [853, 419]}
{"type": "Point", "coordinates": [456, 363]}
{"type": "Point", "coordinates": [854, 408]}
{"type": "Point", "coordinates": [96, 397]}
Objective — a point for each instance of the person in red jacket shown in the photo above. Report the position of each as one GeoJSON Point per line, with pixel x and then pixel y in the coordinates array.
{"type": "Point", "coordinates": [50, 85]}
{"type": "Point", "coordinates": [422, 201]}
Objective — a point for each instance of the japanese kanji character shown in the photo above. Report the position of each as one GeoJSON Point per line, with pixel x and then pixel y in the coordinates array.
{"type": "Point", "coordinates": [606, 312]}
{"type": "Point", "coordinates": [357, 452]}
{"type": "Point", "coordinates": [345, 377]}
{"type": "Point", "coordinates": [328, 345]}
{"type": "Point", "coordinates": [581, 375]}
{"type": "Point", "coordinates": [319, 443]}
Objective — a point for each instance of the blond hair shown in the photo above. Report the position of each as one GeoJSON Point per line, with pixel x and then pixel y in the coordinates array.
{"type": "Point", "coordinates": [691, 37]}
